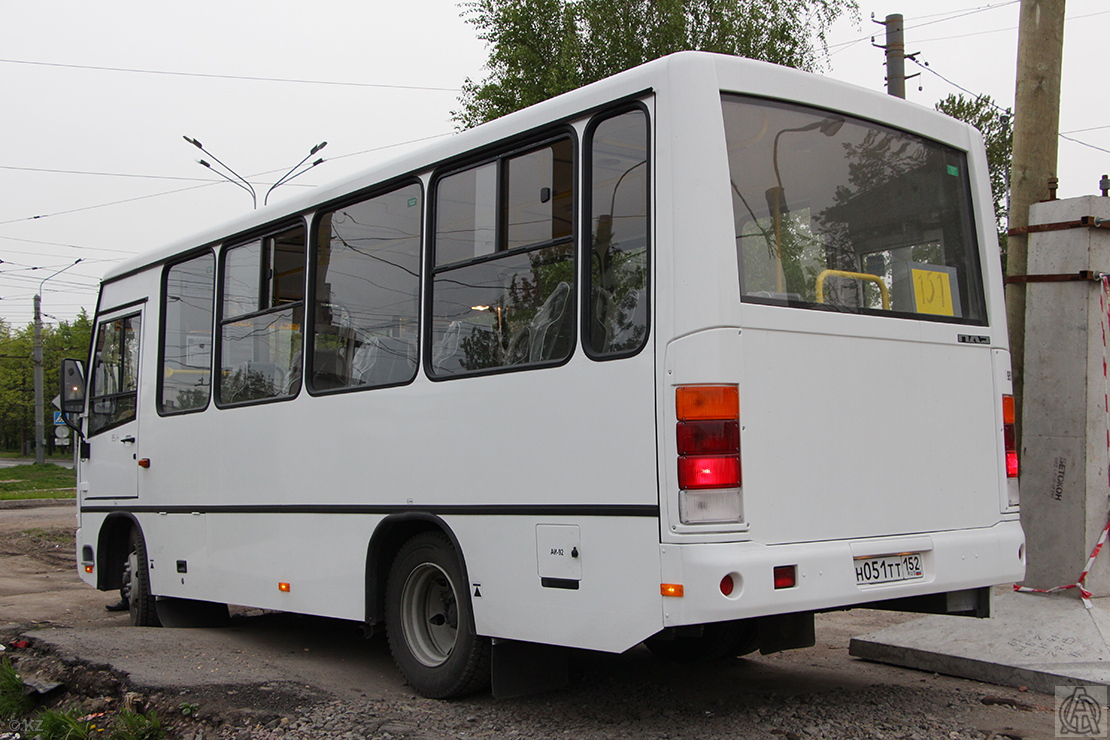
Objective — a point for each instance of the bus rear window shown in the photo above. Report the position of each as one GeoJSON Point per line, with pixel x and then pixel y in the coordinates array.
{"type": "Point", "coordinates": [837, 213]}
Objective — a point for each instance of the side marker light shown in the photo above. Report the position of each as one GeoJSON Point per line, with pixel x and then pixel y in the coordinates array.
{"type": "Point", "coordinates": [283, 587]}
{"type": "Point", "coordinates": [671, 589]}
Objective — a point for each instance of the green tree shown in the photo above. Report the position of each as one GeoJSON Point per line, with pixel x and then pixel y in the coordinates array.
{"type": "Point", "coordinates": [17, 395]}
{"type": "Point", "coordinates": [996, 125]}
{"type": "Point", "coordinates": [541, 48]}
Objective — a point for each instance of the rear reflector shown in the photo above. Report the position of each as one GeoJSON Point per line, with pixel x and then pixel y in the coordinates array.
{"type": "Point", "coordinates": [710, 437]}
{"type": "Point", "coordinates": [785, 576]}
{"type": "Point", "coordinates": [727, 585]}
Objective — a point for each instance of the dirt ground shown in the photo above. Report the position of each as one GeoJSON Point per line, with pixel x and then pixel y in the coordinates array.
{"type": "Point", "coordinates": [267, 666]}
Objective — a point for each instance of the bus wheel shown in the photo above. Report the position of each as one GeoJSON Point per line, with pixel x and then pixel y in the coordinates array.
{"type": "Point", "coordinates": [718, 640]}
{"type": "Point", "coordinates": [430, 623]}
{"type": "Point", "coordinates": [136, 583]}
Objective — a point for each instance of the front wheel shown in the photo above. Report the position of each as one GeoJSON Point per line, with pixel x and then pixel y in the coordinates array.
{"type": "Point", "coordinates": [430, 621]}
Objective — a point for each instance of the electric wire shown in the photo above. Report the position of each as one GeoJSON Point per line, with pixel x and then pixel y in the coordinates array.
{"type": "Point", "coordinates": [248, 78]}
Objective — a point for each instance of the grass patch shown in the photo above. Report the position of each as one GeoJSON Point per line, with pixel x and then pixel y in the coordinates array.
{"type": "Point", "coordinates": [61, 454]}
{"type": "Point", "coordinates": [37, 481]}
{"type": "Point", "coordinates": [13, 702]}
{"type": "Point", "coordinates": [71, 723]}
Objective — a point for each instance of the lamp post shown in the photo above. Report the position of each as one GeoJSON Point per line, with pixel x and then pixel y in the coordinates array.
{"type": "Point", "coordinates": [40, 426]}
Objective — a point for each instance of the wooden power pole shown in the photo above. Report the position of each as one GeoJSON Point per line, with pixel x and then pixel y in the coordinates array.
{"type": "Point", "coordinates": [1036, 134]}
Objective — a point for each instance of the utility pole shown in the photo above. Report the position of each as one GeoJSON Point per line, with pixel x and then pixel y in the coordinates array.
{"type": "Point", "coordinates": [895, 56]}
{"type": "Point", "coordinates": [1036, 135]}
{"type": "Point", "coordinates": [40, 425]}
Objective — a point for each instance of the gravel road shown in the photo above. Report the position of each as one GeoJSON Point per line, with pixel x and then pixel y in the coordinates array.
{"type": "Point", "coordinates": [272, 676]}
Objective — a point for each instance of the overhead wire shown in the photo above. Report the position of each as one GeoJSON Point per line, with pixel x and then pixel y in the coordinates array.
{"type": "Point", "coordinates": [206, 184]}
{"type": "Point", "coordinates": [249, 78]}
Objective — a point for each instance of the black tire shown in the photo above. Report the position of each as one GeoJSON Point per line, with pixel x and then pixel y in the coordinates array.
{"type": "Point", "coordinates": [718, 641]}
{"type": "Point", "coordinates": [430, 622]}
{"type": "Point", "coordinates": [136, 583]}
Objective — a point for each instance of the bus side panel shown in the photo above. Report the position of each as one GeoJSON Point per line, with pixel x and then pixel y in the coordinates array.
{"type": "Point", "coordinates": [579, 436]}
{"type": "Point", "coordinates": [612, 604]}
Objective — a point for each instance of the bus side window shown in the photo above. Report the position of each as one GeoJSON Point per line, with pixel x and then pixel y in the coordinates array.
{"type": "Point", "coordinates": [366, 305]}
{"type": "Point", "coordinates": [616, 321]}
{"type": "Point", "coordinates": [504, 268]}
{"type": "Point", "coordinates": [262, 310]}
{"type": "Point", "coordinates": [186, 377]}
{"type": "Point", "coordinates": [115, 375]}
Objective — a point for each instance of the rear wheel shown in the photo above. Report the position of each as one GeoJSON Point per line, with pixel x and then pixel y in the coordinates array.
{"type": "Point", "coordinates": [430, 622]}
{"type": "Point", "coordinates": [136, 583]}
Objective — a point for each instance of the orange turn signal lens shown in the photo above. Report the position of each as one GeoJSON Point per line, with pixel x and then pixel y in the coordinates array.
{"type": "Point", "coordinates": [694, 402]}
{"type": "Point", "coordinates": [88, 569]}
{"type": "Point", "coordinates": [1008, 414]}
{"type": "Point", "coordinates": [671, 589]}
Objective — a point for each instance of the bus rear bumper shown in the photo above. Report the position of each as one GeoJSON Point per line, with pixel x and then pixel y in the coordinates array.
{"type": "Point", "coordinates": [828, 575]}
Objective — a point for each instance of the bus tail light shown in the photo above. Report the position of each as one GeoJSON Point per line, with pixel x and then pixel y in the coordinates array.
{"type": "Point", "coordinates": [1009, 432]}
{"type": "Point", "coordinates": [708, 437]}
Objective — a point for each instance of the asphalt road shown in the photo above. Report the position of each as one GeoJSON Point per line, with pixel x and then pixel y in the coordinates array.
{"type": "Point", "coordinates": [265, 654]}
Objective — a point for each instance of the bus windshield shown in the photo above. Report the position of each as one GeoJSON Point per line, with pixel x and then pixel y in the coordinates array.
{"type": "Point", "coordinates": [840, 214]}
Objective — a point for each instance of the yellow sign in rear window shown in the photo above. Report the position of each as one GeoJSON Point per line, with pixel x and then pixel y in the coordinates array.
{"type": "Point", "coordinates": [932, 292]}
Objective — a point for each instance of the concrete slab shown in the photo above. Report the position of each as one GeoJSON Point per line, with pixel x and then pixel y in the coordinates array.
{"type": "Point", "coordinates": [1033, 640]}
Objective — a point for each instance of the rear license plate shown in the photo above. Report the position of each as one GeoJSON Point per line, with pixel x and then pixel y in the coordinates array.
{"type": "Point", "coordinates": [906, 566]}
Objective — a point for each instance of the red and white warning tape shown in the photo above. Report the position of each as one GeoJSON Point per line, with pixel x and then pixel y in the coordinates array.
{"type": "Point", "coordinates": [1104, 305]}
{"type": "Point", "coordinates": [1083, 592]}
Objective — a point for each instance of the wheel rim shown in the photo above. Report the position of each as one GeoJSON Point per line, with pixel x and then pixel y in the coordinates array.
{"type": "Point", "coordinates": [429, 614]}
{"type": "Point", "coordinates": [127, 589]}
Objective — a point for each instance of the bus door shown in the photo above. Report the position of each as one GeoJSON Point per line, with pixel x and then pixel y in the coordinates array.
{"type": "Point", "coordinates": [113, 427]}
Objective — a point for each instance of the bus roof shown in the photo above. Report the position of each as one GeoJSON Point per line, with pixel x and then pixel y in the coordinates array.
{"type": "Point", "coordinates": [736, 74]}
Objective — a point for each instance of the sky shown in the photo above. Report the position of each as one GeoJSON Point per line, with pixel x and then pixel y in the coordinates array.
{"type": "Point", "coordinates": [97, 97]}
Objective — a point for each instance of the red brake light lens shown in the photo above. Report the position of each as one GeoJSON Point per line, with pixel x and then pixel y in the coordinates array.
{"type": "Point", "coordinates": [719, 471]}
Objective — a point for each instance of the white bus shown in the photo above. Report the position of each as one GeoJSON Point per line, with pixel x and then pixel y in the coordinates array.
{"type": "Point", "coordinates": [682, 357]}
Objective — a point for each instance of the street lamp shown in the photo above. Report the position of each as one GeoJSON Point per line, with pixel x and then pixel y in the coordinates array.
{"type": "Point", "coordinates": [40, 426]}
{"type": "Point", "coordinates": [239, 181]}
{"type": "Point", "coordinates": [290, 174]}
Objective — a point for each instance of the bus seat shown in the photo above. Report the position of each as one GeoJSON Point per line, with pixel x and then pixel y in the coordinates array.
{"type": "Point", "coordinates": [384, 360]}
{"type": "Point", "coordinates": [327, 369]}
{"type": "Point", "coordinates": [551, 328]}
{"type": "Point", "coordinates": [446, 358]}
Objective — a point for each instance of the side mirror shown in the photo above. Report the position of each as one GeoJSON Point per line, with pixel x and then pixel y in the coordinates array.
{"type": "Point", "coordinates": [73, 386]}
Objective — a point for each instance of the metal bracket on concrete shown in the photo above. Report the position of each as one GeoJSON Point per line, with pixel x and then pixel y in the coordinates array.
{"type": "Point", "coordinates": [1067, 277]}
{"type": "Point", "coordinates": [1086, 222]}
